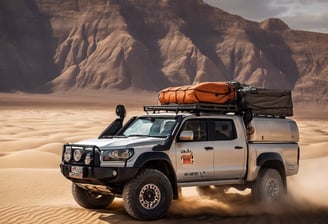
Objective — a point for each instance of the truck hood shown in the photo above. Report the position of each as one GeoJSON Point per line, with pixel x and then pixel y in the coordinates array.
{"type": "Point", "coordinates": [124, 142]}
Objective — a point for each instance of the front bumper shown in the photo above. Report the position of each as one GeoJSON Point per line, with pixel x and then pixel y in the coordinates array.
{"type": "Point", "coordinates": [100, 175]}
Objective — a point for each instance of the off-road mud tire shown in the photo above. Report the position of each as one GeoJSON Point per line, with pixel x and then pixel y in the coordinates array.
{"type": "Point", "coordinates": [148, 196]}
{"type": "Point", "coordinates": [91, 200]}
{"type": "Point", "coordinates": [269, 187]}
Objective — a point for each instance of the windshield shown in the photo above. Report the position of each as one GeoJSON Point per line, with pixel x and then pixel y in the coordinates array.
{"type": "Point", "coordinates": [151, 126]}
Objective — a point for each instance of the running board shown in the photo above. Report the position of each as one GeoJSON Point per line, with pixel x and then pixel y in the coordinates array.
{"type": "Point", "coordinates": [211, 182]}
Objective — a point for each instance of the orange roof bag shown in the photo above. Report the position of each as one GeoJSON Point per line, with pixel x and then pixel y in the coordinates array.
{"type": "Point", "coordinates": [205, 92]}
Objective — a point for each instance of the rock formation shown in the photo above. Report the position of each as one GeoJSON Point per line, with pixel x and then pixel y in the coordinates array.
{"type": "Point", "coordinates": [53, 45]}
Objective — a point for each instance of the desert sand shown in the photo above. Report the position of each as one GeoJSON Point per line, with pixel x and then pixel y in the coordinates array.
{"type": "Point", "coordinates": [34, 128]}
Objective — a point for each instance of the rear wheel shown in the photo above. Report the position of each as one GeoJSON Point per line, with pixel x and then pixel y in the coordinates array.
{"type": "Point", "coordinates": [89, 199]}
{"type": "Point", "coordinates": [148, 196]}
{"type": "Point", "coordinates": [269, 186]}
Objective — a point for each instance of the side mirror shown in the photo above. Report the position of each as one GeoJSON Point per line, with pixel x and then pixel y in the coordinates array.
{"type": "Point", "coordinates": [186, 136]}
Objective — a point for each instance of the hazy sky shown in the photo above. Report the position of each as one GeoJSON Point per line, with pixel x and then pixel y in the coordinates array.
{"type": "Point", "coordinates": [311, 15]}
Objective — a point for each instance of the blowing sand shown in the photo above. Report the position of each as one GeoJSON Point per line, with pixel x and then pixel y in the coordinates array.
{"type": "Point", "coordinates": [34, 128]}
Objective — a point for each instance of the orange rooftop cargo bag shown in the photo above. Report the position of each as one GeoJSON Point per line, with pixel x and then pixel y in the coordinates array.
{"type": "Point", "coordinates": [206, 92]}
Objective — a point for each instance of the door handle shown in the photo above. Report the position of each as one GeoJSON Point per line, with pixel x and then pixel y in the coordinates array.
{"type": "Point", "coordinates": [239, 147]}
{"type": "Point", "coordinates": [208, 148]}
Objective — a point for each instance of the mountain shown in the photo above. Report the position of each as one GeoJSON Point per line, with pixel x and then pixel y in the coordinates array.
{"type": "Point", "coordinates": [51, 45]}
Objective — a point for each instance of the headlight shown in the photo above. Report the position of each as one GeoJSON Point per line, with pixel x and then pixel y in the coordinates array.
{"type": "Point", "coordinates": [77, 155]}
{"type": "Point", "coordinates": [118, 155]}
{"type": "Point", "coordinates": [67, 153]}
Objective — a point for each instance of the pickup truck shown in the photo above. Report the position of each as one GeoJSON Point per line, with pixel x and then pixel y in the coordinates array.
{"type": "Point", "coordinates": [147, 160]}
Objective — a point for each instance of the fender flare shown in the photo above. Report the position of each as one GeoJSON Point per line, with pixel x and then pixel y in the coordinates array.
{"type": "Point", "coordinates": [268, 156]}
{"type": "Point", "coordinates": [151, 156]}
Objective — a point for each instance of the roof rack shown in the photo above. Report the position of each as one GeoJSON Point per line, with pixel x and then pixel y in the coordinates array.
{"type": "Point", "coordinates": [193, 108]}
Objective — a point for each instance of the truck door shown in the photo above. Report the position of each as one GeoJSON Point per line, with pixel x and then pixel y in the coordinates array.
{"type": "Point", "coordinates": [229, 149]}
{"type": "Point", "coordinates": [195, 157]}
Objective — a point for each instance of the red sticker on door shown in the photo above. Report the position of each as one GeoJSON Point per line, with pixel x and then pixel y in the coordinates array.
{"type": "Point", "coordinates": [187, 156]}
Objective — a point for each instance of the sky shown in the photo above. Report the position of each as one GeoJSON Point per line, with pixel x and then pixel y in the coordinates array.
{"type": "Point", "coordinates": [309, 15]}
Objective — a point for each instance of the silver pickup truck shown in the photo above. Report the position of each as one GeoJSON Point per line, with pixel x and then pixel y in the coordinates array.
{"type": "Point", "coordinates": [146, 160]}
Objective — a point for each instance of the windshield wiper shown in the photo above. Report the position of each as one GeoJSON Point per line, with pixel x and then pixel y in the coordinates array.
{"type": "Point", "coordinates": [137, 136]}
{"type": "Point", "coordinates": [158, 136]}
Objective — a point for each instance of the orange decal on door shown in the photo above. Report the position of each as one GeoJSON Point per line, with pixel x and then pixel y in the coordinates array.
{"type": "Point", "coordinates": [187, 157]}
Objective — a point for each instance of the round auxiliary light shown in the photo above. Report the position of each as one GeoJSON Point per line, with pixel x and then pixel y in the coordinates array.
{"type": "Point", "coordinates": [87, 159]}
{"type": "Point", "coordinates": [77, 155]}
{"type": "Point", "coordinates": [67, 154]}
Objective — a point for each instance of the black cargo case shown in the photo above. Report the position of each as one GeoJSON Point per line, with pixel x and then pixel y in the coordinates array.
{"type": "Point", "coordinates": [265, 101]}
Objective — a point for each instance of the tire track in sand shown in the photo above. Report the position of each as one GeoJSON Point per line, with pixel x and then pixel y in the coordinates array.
{"type": "Point", "coordinates": [12, 214]}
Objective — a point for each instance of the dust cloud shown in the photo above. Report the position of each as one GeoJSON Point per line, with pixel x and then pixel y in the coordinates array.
{"type": "Point", "coordinates": [307, 198]}
{"type": "Point", "coordinates": [294, 208]}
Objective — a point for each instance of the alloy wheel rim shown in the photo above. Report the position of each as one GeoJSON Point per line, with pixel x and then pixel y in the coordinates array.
{"type": "Point", "coordinates": [150, 196]}
{"type": "Point", "coordinates": [272, 190]}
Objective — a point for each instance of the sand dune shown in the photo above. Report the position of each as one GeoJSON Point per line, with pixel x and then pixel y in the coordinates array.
{"type": "Point", "coordinates": [32, 189]}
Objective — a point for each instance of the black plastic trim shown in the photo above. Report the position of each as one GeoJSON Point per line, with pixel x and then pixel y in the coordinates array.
{"type": "Point", "coordinates": [151, 156]}
{"type": "Point", "coordinates": [269, 156]}
{"type": "Point", "coordinates": [101, 175]}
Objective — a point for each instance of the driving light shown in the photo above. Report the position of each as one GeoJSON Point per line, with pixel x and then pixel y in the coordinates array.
{"type": "Point", "coordinates": [67, 153]}
{"type": "Point", "coordinates": [87, 159]}
{"type": "Point", "coordinates": [77, 155]}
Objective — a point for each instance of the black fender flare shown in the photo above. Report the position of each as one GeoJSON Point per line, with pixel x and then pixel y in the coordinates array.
{"type": "Point", "coordinates": [268, 156]}
{"type": "Point", "coordinates": [151, 156]}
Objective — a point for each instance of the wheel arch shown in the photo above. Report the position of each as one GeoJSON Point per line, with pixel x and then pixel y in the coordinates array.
{"type": "Point", "coordinates": [159, 161]}
{"type": "Point", "coordinates": [272, 161]}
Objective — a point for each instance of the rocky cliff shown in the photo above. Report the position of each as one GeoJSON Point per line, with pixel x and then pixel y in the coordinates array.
{"type": "Point", "coordinates": [64, 44]}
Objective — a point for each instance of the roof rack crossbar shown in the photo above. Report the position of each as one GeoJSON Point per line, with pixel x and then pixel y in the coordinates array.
{"type": "Point", "coordinates": [194, 108]}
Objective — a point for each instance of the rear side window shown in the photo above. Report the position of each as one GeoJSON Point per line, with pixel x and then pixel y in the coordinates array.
{"type": "Point", "coordinates": [221, 130]}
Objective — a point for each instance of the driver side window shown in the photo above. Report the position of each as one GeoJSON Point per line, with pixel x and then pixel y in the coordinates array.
{"type": "Point", "coordinates": [198, 127]}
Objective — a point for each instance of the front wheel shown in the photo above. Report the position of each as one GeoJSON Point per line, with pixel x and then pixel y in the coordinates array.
{"type": "Point", "coordinates": [89, 199]}
{"type": "Point", "coordinates": [269, 186]}
{"type": "Point", "coordinates": [148, 196]}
